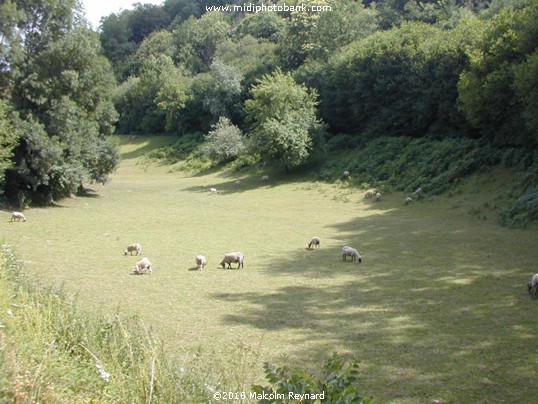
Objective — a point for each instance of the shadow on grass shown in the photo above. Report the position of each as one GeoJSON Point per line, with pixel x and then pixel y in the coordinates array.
{"type": "Point", "coordinates": [426, 312]}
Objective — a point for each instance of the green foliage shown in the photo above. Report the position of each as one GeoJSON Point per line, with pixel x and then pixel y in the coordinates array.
{"type": "Point", "coordinates": [8, 139]}
{"type": "Point", "coordinates": [523, 211]}
{"type": "Point", "coordinates": [264, 25]}
{"type": "Point", "coordinates": [224, 142]}
{"type": "Point", "coordinates": [337, 380]}
{"type": "Point", "coordinates": [51, 352]}
{"type": "Point", "coordinates": [283, 116]}
{"type": "Point", "coordinates": [397, 82]}
{"type": "Point", "coordinates": [403, 164]}
{"type": "Point", "coordinates": [493, 91]}
{"type": "Point", "coordinates": [197, 39]}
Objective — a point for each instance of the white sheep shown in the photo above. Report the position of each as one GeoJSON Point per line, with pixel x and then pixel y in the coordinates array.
{"type": "Point", "coordinates": [237, 183]}
{"type": "Point", "coordinates": [378, 197]}
{"type": "Point", "coordinates": [418, 191]}
{"type": "Point", "coordinates": [201, 262]}
{"type": "Point", "coordinates": [533, 285]}
{"type": "Point", "coordinates": [345, 174]}
{"type": "Point", "coordinates": [315, 242]}
{"type": "Point", "coordinates": [408, 200]}
{"type": "Point", "coordinates": [137, 248]}
{"type": "Point", "coordinates": [144, 266]}
{"type": "Point", "coordinates": [348, 251]}
{"type": "Point", "coordinates": [233, 257]}
{"type": "Point", "coordinates": [265, 178]}
{"type": "Point", "coordinates": [370, 193]}
{"type": "Point", "coordinates": [213, 191]}
{"type": "Point", "coordinates": [18, 216]}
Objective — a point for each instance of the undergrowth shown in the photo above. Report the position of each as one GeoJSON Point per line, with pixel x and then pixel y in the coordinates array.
{"type": "Point", "coordinates": [49, 352]}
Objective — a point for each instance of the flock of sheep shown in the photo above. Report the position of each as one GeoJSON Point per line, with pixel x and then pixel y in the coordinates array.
{"type": "Point", "coordinates": [144, 266]}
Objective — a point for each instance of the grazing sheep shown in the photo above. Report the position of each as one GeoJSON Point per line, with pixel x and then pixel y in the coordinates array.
{"type": "Point", "coordinates": [314, 242]}
{"type": "Point", "coordinates": [370, 193]}
{"type": "Point", "coordinates": [418, 191]}
{"type": "Point", "coordinates": [137, 248]}
{"type": "Point", "coordinates": [345, 174]}
{"type": "Point", "coordinates": [378, 197]}
{"type": "Point", "coordinates": [18, 216]}
{"type": "Point", "coordinates": [265, 178]}
{"type": "Point", "coordinates": [144, 266]}
{"type": "Point", "coordinates": [201, 262]}
{"type": "Point", "coordinates": [237, 183]}
{"type": "Point", "coordinates": [533, 285]}
{"type": "Point", "coordinates": [213, 191]}
{"type": "Point", "coordinates": [348, 251]}
{"type": "Point", "coordinates": [408, 200]}
{"type": "Point", "coordinates": [238, 257]}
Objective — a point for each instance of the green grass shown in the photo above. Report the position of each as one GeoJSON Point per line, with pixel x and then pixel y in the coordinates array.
{"type": "Point", "coordinates": [438, 309]}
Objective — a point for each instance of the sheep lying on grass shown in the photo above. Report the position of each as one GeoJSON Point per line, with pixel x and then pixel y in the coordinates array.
{"type": "Point", "coordinates": [315, 242]}
{"type": "Point", "coordinates": [238, 257]}
{"type": "Point", "coordinates": [201, 262]}
{"type": "Point", "coordinates": [18, 216]}
{"type": "Point", "coordinates": [348, 251]}
{"type": "Point", "coordinates": [136, 248]}
{"type": "Point", "coordinates": [533, 285]}
{"type": "Point", "coordinates": [144, 266]}
{"type": "Point", "coordinates": [370, 193]}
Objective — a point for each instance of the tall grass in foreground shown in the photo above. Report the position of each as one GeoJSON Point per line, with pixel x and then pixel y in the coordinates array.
{"type": "Point", "coordinates": [49, 352]}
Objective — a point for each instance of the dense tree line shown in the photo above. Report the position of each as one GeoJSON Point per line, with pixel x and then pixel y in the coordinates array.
{"type": "Point", "coordinates": [278, 83]}
{"type": "Point", "coordinates": [57, 115]}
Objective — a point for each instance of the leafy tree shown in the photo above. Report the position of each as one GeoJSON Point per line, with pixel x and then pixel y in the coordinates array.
{"type": "Point", "coordinates": [224, 142]}
{"type": "Point", "coordinates": [397, 82]}
{"type": "Point", "coordinates": [225, 90]}
{"type": "Point", "coordinates": [59, 85]}
{"type": "Point", "coordinates": [146, 103]}
{"type": "Point", "coordinates": [253, 58]}
{"type": "Point", "coordinates": [197, 39]}
{"type": "Point", "coordinates": [264, 25]}
{"type": "Point", "coordinates": [283, 116]}
{"type": "Point", "coordinates": [8, 139]}
{"type": "Point", "coordinates": [492, 95]}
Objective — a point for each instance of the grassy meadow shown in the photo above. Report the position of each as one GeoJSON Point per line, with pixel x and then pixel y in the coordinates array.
{"type": "Point", "coordinates": [437, 310]}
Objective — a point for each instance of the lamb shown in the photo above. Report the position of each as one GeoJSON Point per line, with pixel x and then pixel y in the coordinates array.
{"type": "Point", "coordinates": [144, 266]}
{"type": "Point", "coordinates": [201, 262]}
{"type": "Point", "coordinates": [265, 178]}
{"type": "Point", "coordinates": [238, 257]}
{"type": "Point", "coordinates": [18, 216]}
{"type": "Point", "coordinates": [532, 286]}
{"type": "Point", "coordinates": [133, 248]}
{"type": "Point", "coordinates": [378, 197]}
{"type": "Point", "coordinates": [314, 242]}
{"type": "Point", "coordinates": [348, 251]}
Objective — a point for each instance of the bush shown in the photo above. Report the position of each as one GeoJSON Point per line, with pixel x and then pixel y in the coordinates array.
{"type": "Point", "coordinates": [224, 142]}
{"type": "Point", "coordinates": [335, 382]}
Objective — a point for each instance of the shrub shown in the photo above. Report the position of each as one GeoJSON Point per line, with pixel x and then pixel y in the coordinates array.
{"type": "Point", "coordinates": [336, 381]}
{"type": "Point", "coordinates": [224, 142]}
